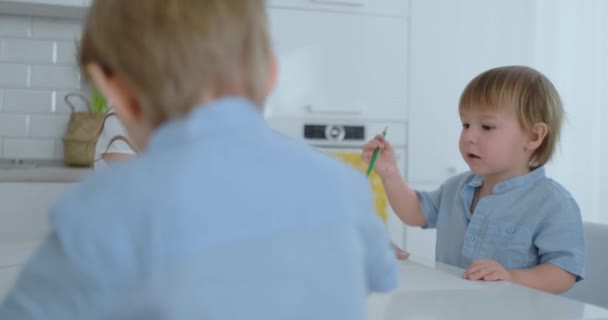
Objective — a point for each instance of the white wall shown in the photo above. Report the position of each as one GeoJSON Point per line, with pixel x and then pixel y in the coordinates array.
{"type": "Point", "coordinates": [572, 50]}
{"type": "Point", "coordinates": [37, 69]}
{"type": "Point", "coordinates": [451, 42]}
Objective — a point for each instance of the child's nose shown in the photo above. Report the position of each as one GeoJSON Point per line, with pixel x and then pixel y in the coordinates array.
{"type": "Point", "coordinates": [469, 136]}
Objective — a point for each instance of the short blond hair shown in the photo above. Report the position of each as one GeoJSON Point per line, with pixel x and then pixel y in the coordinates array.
{"type": "Point", "coordinates": [171, 52]}
{"type": "Point", "coordinates": [535, 98]}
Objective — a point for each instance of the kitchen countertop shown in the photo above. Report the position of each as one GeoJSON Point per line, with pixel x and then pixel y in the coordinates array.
{"type": "Point", "coordinates": [39, 171]}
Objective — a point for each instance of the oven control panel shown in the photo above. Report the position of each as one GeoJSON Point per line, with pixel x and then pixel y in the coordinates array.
{"type": "Point", "coordinates": [334, 132]}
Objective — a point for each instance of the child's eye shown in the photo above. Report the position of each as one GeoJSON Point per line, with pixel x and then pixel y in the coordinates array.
{"type": "Point", "coordinates": [487, 127]}
{"type": "Point", "coordinates": [466, 125]}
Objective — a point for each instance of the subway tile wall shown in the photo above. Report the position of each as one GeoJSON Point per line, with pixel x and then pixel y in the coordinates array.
{"type": "Point", "coordinates": [37, 69]}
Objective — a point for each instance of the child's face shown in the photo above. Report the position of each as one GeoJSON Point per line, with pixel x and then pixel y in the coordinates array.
{"type": "Point", "coordinates": [493, 143]}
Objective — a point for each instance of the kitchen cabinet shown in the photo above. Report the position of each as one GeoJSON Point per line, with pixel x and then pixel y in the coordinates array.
{"type": "Point", "coordinates": [24, 217]}
{"type": "Point", "coordinates": [24, 222]}
{"type": "Point", "coordinates": [339, 65]}
{"type": "Point", "coordinates": [371, 7]}
{"type": "Point", "coordinates": [452, 42]}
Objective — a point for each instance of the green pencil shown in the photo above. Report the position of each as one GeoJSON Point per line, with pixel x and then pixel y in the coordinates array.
{"type": "Point", "coordinates": [375, 156]}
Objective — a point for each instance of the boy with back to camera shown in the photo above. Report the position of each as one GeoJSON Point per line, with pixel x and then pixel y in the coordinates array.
{"type": "Point", "coordinates": [219, 217]}
{"type": "Point", "coordinates": [503, 220]}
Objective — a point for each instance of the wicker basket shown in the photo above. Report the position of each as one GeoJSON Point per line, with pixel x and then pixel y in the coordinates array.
{"type": "Point", "coordinates": [82, 133]}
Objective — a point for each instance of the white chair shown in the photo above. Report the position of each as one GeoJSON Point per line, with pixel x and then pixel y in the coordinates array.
{"type": "Point", "coordinates": [594, 288]}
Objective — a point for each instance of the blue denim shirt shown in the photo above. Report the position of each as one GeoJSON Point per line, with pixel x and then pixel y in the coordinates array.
{"type": "Point", "coordinates": [527, 221]}
{"type": "Point", "coordinates": [220, 218]}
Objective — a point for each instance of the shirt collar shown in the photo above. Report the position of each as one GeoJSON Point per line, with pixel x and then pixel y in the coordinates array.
{"type": "Point", "coordinates": [224, 116]}
{"type": "Point", "coordinates": [511, 183]}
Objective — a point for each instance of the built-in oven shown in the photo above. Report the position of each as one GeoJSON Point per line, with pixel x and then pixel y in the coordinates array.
{"type": "Point", "coordinates": [344, 140]}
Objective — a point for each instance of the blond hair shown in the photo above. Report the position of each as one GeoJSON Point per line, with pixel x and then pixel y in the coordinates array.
{"type": "Point", "coordinates": [535, 98]}
{"type": "Point", "coordinates": [172, 52]}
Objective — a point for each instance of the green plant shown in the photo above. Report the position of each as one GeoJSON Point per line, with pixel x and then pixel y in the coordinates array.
{"type": "Point", "coordinates": [98, 101]}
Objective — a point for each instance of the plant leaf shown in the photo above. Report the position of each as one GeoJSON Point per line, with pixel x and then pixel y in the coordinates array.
{"type": "Point", "coordinates": [99, 103]}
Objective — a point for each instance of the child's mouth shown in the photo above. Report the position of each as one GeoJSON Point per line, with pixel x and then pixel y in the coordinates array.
{"type": "Point", "coordinates": [473, 156]}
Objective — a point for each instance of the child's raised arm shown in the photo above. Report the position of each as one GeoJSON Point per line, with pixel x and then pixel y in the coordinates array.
{"type": "Point", "coordinates": [401, 197]}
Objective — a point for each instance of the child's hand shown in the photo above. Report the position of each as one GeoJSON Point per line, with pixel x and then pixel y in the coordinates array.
{"type": "Point", "coordinates": [400, 253]}
{"type": "Point", "coordinates": [487, 270]}
{"type": "Point", "coordinates": [385, 165]}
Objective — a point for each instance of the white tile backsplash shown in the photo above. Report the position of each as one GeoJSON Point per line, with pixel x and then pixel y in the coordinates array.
{"type": "Point", "coordinates": [25, 50]}
{"type": "Point", "coordinates": [25, 100]}
{"type": "Point", "coordinates": [14, 125]}
{"type": "Point", "coordinates": [14, 26]}
{"type": "Point", "coordinates": [30, 148]}
{"type": "Point", "coordinates": [13, 75]}
{"type": "Point", "coordinates": [60, 77]}
{"type": "Point", "coordinates": [56, 29]}
{"type": "Point", "coordinates": [38, 68]}
{"type": "Point", "coordinates": [59, 150]}
{"type": "Point", "coordinates": [66, 53]}
{"type": "Point", "coordinates": [52, 126]}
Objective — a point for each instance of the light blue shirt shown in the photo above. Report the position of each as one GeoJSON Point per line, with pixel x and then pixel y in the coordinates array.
{"type": "Point", "coordinates": [221, 218]}
{"type": "Point", "coordinates": [527, 221]}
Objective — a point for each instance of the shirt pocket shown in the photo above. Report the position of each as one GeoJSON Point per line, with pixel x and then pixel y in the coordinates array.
{"type": "Point", "coordinates": [509, 244]}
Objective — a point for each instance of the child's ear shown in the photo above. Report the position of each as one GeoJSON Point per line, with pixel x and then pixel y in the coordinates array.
{"type": "Point", "coordinates": [537, 136]}
{"type": "Point", "coordinates": [117, 92]}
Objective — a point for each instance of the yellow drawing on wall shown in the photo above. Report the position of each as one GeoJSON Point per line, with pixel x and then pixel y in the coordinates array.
{"type": "Point", "coordinates": [380, 200]}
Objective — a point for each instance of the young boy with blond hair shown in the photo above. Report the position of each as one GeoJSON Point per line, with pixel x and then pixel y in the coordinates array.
{"type": "Point", "coordinates": [219, 217]}
{"type": "Point", "coordinates": [503, 220]}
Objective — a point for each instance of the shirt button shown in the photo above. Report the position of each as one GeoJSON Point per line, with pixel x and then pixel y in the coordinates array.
{"type": "Point", "coordinates": [510, 229]}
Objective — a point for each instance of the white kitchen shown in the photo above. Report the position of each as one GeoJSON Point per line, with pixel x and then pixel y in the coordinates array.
{"type": "Point", "coordinates": [348, 69]}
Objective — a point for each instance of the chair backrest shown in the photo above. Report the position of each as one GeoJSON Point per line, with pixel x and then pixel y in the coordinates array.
{"type": "Point", "coordinates": [594, 288]}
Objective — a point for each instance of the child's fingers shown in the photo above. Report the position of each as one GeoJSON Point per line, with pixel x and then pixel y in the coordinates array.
{"type": "Point", "coordinates": [380, 138]}
{"type": "Point", "coordinates": [372, 145]}
{"type": "Point", "coordinates": [475, 270]}
{"type": "Point", "coordinates": [384, 144]}
{"type": "Point", "coordinates": [473, 276]}
{"type": "Point", "coordinates": [478, 275]}
{"type": "Point", "coordinates": [479, 269]}
{"type": "Point", "coordinates": [473, 267]}
{"type": "Point", "coordinates": [492, 276]}
{"type": "Point", "coordinates": [400, 253]}
{"type": "Point", "coordinates": [377, 143]}
{"type": "Point", "coordinates": [366, 156]}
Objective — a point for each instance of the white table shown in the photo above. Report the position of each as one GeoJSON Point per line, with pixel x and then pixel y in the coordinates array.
{"type": "Point", "coordinates": [430, 290]}
{"type": "Point", "coordinates": [8, 275]}
{"type": "Point", "coordinates": [12, 258]}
